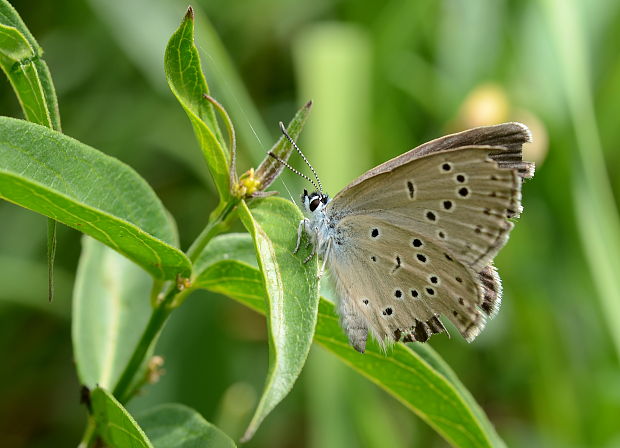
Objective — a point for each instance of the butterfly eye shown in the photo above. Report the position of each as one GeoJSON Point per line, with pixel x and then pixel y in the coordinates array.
{"type": "Point", "coordinates": [314, 204]}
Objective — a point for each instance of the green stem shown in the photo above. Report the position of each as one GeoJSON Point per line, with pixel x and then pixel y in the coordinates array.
{"type": "Point", "coordinates": [155, 324]}
{"type": "Point", "coordinates": [213, 228]}
{"type": "Point", "coordinates": [89, 433]}
{"type": "Point", "coordinates": [162, 310]}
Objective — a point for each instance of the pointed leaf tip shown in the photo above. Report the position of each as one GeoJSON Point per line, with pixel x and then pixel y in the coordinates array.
{"type": "Point", "coordinates": [188, 83]}
{"type": "Point", "coordinates": [189, 15]}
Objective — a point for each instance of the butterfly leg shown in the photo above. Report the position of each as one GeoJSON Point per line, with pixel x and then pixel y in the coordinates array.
{"type": "Point", "coordinates": [325, 255]}
{"type": "Point", "coordinates": [300, 230]}
{"type": "Point", "coordinates": [312, 254]}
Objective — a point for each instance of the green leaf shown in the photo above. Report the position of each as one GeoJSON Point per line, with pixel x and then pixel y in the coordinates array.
{"type": "Point", "coordinates": [10, 17]}
{"type": "Point", "coordinates": [20, 59]}
{"type": "Point", "coordinates": [16, 60]}
{"type": "Point", "coordinates": [63, 179]}
{"type": "Point", "coordinates": [436, 362]}
{"type": "Point", "coordinates": [188, 83]}
{"type": "Point", "coordinates": [229, 246]}
{"type": "Point", "coordinates": [115, 425]}
{"type": "Point", "coordinates": [417, 378]}
{"type": "Point", "coordinates": [51, 255]}
{"type": "Point", "coordinates": [110, 311]}
{"type": "Point", "coordinates": [412, 381]}
{"type": "Point", "coordinates": [177, 426]}
{"type": "Point", "coordinates": [228, 266]}
{"type": "Point", "coordinates": [291, 292]}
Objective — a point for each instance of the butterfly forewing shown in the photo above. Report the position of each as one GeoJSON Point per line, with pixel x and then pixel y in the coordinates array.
{"type": "Point", "coordinates": [420, 239]}
{"type": "Point", "coordinates": [460, 199]}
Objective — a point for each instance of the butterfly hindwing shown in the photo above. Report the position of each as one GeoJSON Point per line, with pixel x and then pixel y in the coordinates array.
{"type": "Point", "coordinates": [400, 283]}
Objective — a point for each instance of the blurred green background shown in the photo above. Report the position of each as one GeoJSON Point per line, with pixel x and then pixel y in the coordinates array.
{"type": "Point", "coordinates": [384, 77]}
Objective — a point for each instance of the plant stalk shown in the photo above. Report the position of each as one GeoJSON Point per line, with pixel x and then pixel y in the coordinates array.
{"type": "Point", "coordinates": [154, 326]}
{"type": "Point", "coordinates": [162, 310]}
{"type": "Point", "coordinates": [213, 228]}
{"type": "Point", "coordinates": [89, 433]}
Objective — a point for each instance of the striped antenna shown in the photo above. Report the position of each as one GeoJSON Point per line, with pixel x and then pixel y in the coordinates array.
{"type": "Point", "coordinates": [271, 154]}
{"type": "Point", "coordinates": [283, 129]}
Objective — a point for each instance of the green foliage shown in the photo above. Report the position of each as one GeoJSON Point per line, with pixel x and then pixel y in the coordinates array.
{"type": "Point", "coordinates": [418, 378]}
{"type": "Point", "coordinates": [177, 426]}
{"type": "Point", "coordinates": [270, 168]}
{"type": "Point", "coordinates": [114, 424]}
{"type": "Point", "coordinates": [164, 426]}
{"type": "Point", "coordinates": [110, 311]}
{"type": "Point", "coordinates": [113, 335]}
{"type": "Point", "coordinates": [383, 77]}
{"type": "Point", "coordinates": [189, 85]}
{"type": "Point", "coordinates": [291, 297]}
{"type": "Point", "coordinates": [20, 59]}
{"type": "Point", "coordinates": [89, 191]}
{"type": "Point", "coordinates": [599, 221]}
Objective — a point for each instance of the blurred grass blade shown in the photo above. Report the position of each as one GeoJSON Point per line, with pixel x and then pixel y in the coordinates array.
{"type": "Point", "coordinates": [417, 378]}
{"type": "Point", "coordinates": [110, 311]}
{"type": "Point", "coordinates": [115, 425]}
{"type": "Point", "coordinates": [333, 67]}
{"type": "Point", "coordinates": [61, 178]}
{"type": "Point", "coordinates": [291, 293]}
{"type": "Point", "coordinates": [177, 426]}
{"type": "Point", "coordinates": [597, 213]}
{"type": "Point", "coordinates": [187, 82]}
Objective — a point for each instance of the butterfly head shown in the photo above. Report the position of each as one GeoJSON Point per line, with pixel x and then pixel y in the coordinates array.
{"type": "Point", "coordinates": [314, 201]}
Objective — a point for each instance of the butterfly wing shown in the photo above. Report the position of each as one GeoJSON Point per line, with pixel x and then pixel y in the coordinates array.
{"type": "Point", "coordinates": [509, 136]}
{"type": "Point", "coordinates": [397, 290]}
{"type": "Point", "coordinates": [433, 220]}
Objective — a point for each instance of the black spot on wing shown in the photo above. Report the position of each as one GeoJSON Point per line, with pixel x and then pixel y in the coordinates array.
{"type": "Point", "coordinates": [410, 189]}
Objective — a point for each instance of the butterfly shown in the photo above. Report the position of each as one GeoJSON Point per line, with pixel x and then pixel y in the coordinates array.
{"type": "Point", "coordinates": [412, 241]}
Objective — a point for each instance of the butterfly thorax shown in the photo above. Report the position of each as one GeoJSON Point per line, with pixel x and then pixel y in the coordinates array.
{"type": "Point", "coordinates": [320, 226]}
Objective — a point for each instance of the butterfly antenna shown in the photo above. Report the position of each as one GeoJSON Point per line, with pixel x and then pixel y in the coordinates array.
{"type": "Point", "coordinates": [271, 154]}
{"type": "Point", "coordinates": [283, 129]}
